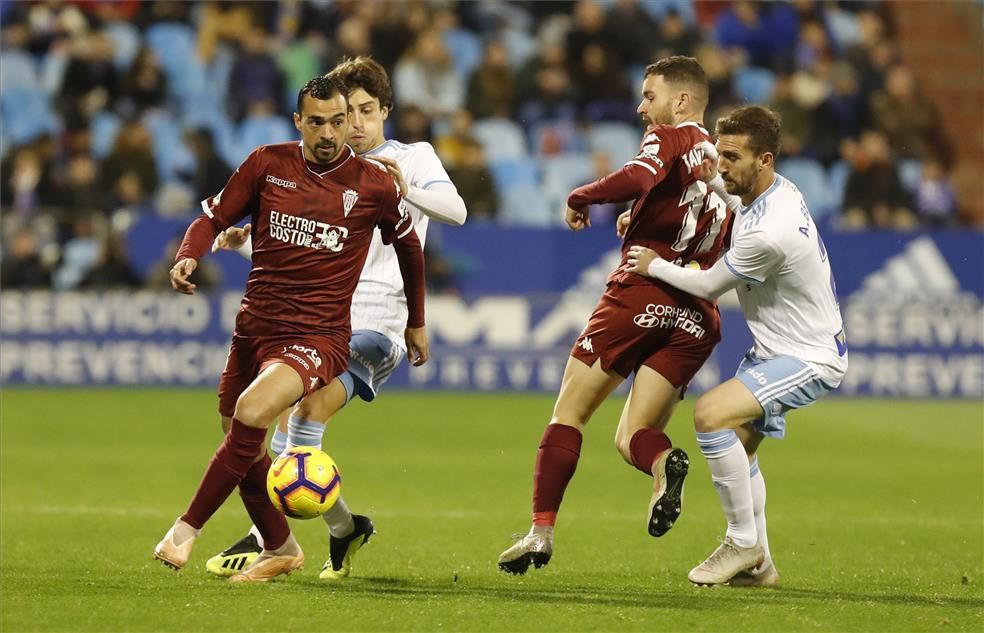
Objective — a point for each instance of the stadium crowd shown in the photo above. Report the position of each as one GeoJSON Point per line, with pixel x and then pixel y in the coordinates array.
{"type": "Point", "coordinates": [115, 111]}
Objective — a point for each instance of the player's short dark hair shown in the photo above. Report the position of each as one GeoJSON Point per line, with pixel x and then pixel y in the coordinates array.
{"type": "Point", "coordinates": [682, 70]}
{"type": "Point", "coordinates": [321, 87]}
{"type": "Point", "coordinates": [366, 73]}
{"type": "Point", "coordinates": [762, 126]}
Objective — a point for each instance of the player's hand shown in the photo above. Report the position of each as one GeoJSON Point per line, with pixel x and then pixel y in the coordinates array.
{"type": "Point", "coordinates": [418, 350]}
{"type": "Point", "coordinates": [622, 223]}
{"type": "Point", "coordinates": [638, 260]}
{"type": "Point", "coordinates": [394, 171]}
{"type": "Point", "coordinates": [180, 273]}
{"type": "Point", "coordinates": [577, 220]}
{"type": "Point", "coordinates": [231, 239]}
{"type": "Point", "coordinates": [709, 164]}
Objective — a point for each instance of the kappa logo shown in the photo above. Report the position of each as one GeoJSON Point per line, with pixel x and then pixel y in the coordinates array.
{"type": "Point", "coordinates": [349, 198]}
{"type": "Point", "coordinates": [586, 345]}
{"type": "Point", "coordinates": [280, 182]}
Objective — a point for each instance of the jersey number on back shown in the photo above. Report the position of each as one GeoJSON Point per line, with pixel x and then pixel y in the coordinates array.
{"type": "Point", "coordinates": [696, 199]}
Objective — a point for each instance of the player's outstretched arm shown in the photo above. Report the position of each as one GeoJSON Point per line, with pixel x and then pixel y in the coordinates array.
{"type": "Point", "coordinates": [439, 201]}
{"type": "Point", "coordinates": [180, 274]}
{"type": "Point", "coordinates": [706, 284]}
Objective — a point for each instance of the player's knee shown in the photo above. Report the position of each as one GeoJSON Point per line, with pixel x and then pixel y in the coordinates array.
{"type": "Point", "coordinates": [707, 416]}
{"type": "Point", "coordinates": [253, 413]}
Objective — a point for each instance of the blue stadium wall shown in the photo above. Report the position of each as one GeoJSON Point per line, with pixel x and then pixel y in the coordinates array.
{"type": "Point", "coordinates": [912, 308]}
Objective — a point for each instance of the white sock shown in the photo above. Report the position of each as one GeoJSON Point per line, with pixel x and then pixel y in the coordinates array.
{"type": "Point", "coordinates": [256, 532]}
{"type": "Point", "coordinates": [301, 432]}
{"type": "Point", "coordinates": [728, 463]}
{"type": "Point", "coordinates": [758, 508]}
{"type": "Point", "coordinates": [339, 519]}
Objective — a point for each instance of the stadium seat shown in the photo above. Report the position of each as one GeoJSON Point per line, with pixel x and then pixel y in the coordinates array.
{"type": "Point", "coordinates": [554, 137]}
{"type": "Point", "coordinates": [520, 46]}
{"type": "Point", "coordinates": [837, 183]}
{"type": "Point", "coordinates": [104, 127]}
{"type": "Point", "coordinates": [19, 71]}
{"type": "Point", "coordinates": [619, 140]}
{"type": "Point", "coordinates": [126, 43]}
{"type": "Point", "coordinates": [754, 85]}
{"type": "Point", "coordinates": [500, 138]}
{"type": "Point", "coordinates": [256, 131]}
{"type": "Point", "coordinates": [659, 8]}
{"type": "Point", "coordinates": [810, 178]}
{"type": "Point", "coordinates": [527, 206]}
{"type": "Point", "coordinates": [515, 172]}
{"type": "Point", "coordinates": [170, 152]}
{"type": "Point", "coordinates": [26, 115]}
{"type": "Point", "coordinates": [910, 173]}
{"type": "Point", "coordinates": [465, 49]}
{"type": "Point", "coordinates": [562, 174]}
{"type": "Point", "coordinates": [174, 44]}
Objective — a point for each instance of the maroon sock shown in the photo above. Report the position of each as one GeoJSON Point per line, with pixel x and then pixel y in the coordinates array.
{"type": "Point", "coordinates": [231, 462]}
{"type": "Point", "coordinates": [271, 523]}
{"type": "Point", "coordinates": [556, 461]}
{"type": "Point", "coordinates": [645, 446]}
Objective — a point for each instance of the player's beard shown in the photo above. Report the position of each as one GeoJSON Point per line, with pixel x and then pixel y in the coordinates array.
{"type": "Point", "coordinates": [324, 152]}
{"type": "Point", "coordinates": [737, 186]}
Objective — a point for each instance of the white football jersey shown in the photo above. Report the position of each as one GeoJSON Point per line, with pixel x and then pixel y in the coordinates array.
{"type": "Point", "coordinates": [379, 303]}
{"type": "Point", "coordinates": [788, 293]}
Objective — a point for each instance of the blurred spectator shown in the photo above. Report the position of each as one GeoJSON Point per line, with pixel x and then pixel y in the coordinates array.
{"type": "Point", "coordinates": [27, 177]}
{"type": "Point", "coordinates": [80, 253]}
{"type": "Point", "coordinates": [255, 78]}
{"type": "Point", "coordinates": [843, 115]}
{"type": "Point", "coordinates": [301, 59]}
{"type": "Point", "coordinates": [145, 85]}
{"type": "Point", "coordinates": [934, 200]}
{"type": "Point", "coordinates": [129, 174]}
{"type": "Point", "coordinates": [675, 37]}
{"type": "Point", "coordinates": [451, 146]}
{"type": "Point", "coordinates": [425, 77]}
{"type": "Point", "coordinates": [211, 173]}
{"type": "Point", "coordinates": [812, 46]}
{"type": "Point", "coordinates": [589, 30]}
{"type": "Point", "coordinates": [874, 196]}
{"type": "Point", "coordinates": [353, 38]}
{"type": "Point", "coordinates": [90, 83]}
{"type": "Point", "coordinates": [206, 276]}
{"type": "Point", "coordinates": [474, 181]}
{"type": "Point", "coordinates": [764, 32]}
{"type": "Point", "coordinates": [797, 120]}
{"type": "Point", "coordinates": [221, 22]}
{"type": "Point", "coordinates": [545, 88]}
{"type": "Point", "coordinates": [395, 27]}
{"type": "Point", "coordinates": [412, 125]}
{"type": "Point", "coordinates": [112, 268]}
{"type": "Point", "coordinates": [909, 119]}
{"type": "Point", "coordinates": [606, 95]}
{"type": "Point", "coordinates": [492, 87]}
{"type": "Point", "coordinates": [720, 90]}
{"type": "Point", "coordinates": [634, 28]}
{"type": "Point", "coordinates": [80, 190]}
{"type": "Point", "coordinates": [22, 266]}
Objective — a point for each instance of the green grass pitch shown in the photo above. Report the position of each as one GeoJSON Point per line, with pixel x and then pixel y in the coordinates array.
{"type": "Point", "coordinates": [875, 517]}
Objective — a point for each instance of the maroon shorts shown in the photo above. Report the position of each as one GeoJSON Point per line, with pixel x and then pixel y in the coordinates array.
{"type": "Point", "coordinates": [317, 360]}
{"type": "Point", "coordinates": [652, 325]}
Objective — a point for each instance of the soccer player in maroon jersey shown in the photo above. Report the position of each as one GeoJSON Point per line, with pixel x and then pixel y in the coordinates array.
{"type": "Point", "coordinates": [640, 325]}
{"type": "Point", "coordinates": [314, 205]}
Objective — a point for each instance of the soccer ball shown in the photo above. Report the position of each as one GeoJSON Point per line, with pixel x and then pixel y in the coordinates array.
{"type": "Point", "coordinates": [303, 482]}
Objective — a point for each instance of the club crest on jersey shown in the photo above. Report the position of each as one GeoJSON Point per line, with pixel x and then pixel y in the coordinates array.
{"type": "Point", "coordinates": [349, 199]}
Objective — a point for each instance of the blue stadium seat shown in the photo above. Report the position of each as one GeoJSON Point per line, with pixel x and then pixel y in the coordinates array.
{"type": "Point", "coordinates": [753, 84]}
{"type": "Point", "coordinates": [170, 152]}
{"type": "Point", "coordinates": [19, 71]}
{"type": "Point", "coordinates": [26, 114]}
{"type": "Point", "coordinates": [515, 172]}
{"type": "Point", "coordinates": [256, 131]}
{"type": "Point", "coordinates": [910, 173]}
{"type": "Point", "coordinates": [562, 174]}
{"type": "Point", "coordinates": [837, 183]}
{"type": "Point", "coordinates": [520, 46]}
{"type": "Point", "coordinates": [619, 140]}
{"type": "Point", "coordinates": [126, 43]}
{"type": "Point", "coordinates": [500, 138]}
{"type": "Point", "coordinates": [174, 44]}
{"type": "Point", "coordinates": [527, 206]}
{"type": "Point", "coordinates": [104, 127]}
{"type": "Point", "coordinates": [465, 49]}
{"type": "Point", "coordinates": [810, 178]}
{"type": "Point", "coordinates": [659, 8]}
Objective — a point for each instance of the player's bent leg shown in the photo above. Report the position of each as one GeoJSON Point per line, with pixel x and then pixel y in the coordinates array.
{"type": "Point", "coordinates": [727, 406]}
{"type": "Point", "coordinates": [277, 387]}
{"type": "Point", "coordinates": [583, 389]}
{"type": "Point", "coordinates": [321, 405]}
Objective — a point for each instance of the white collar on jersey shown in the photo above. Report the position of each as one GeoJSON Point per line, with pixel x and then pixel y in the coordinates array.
{"type": "Point", "coordinates": [300, 146]}
{"type": "Point", "coordinates": [696, 125]}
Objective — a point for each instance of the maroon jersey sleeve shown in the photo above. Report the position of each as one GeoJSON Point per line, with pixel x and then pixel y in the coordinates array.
{"type": "Point", "coordinates": [659, 151]}
{"type": "Point", "coordinates": [237, 200]}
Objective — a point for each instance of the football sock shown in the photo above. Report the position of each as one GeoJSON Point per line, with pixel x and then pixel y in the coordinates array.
{"type": "Point", "coordinates": [226, 469]}
{"type": "Point", "coordinates": [270, 522]}
{"type": "Point", "coordinates": [339, 519]}
{"type": "Point", "coordinates": [301, 432]}
{"type": "Point", "coordinates": [645, 446]}
{"type": "Point", "coordinates": [728, 463]}
{"type": "Point", "coordinates": [278, 443]}
{"type": "Point", "coordinates": [256, 534]}
{"type": "Point", "coordinates": [758, 507]}
{"type": "Point", "coordinates": [556, 461]}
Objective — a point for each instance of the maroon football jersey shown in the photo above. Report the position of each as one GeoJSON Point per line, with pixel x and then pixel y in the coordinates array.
{"type": "Point", "coordinates": [311, 233]}
{"type": "Point", "coordinates": [674, 213]}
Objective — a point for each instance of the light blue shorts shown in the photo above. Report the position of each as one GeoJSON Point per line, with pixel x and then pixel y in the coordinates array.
{"type": "Point", "coordinates": [372, 359]}
{"type": "Point", "coordinates": [779, 384]}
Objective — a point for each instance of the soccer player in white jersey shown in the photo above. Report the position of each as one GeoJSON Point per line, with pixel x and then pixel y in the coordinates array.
{"type": "Point", "coordinates": [778, 265]}
{"type": "Point", "coordinates": [379, 308]}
